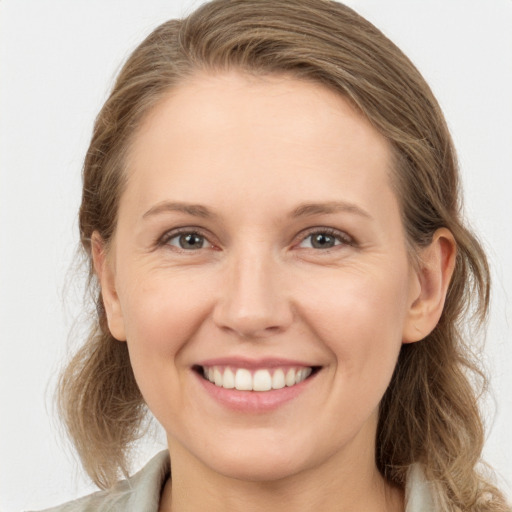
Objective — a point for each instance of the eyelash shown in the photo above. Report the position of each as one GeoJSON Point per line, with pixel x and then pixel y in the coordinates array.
{"type": "Point", "coordinates": [340, 236]}
{"type": "Point", "coordinates": [190, 230]}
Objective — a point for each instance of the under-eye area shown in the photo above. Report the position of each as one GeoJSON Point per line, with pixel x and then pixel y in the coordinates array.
{"type": "Point", "coordinates": [261, 379]}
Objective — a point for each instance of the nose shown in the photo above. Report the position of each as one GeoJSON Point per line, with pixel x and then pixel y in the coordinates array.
{"type": "Point", "coordinates": [253, 302]}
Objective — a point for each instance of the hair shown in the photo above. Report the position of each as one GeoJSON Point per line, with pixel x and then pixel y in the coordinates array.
{"type": "Point", "coordinates": [429, 413]}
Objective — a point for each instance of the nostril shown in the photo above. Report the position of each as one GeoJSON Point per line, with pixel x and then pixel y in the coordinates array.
{"type": "Point", "coordinates": [250, 330]}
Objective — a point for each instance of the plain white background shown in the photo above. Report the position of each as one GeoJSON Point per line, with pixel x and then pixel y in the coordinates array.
{"type": "Point", "coordinates": [58, 59]}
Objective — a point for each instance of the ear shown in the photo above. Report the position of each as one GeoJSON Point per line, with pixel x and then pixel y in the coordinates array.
{"type": "Point", "coordinates": [432, 278]}
{"type": "Point", "coordinates": [104, 268]}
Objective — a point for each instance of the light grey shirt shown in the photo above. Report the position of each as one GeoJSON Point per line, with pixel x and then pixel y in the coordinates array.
{"type": "Point", "coordinates": [141, 492]}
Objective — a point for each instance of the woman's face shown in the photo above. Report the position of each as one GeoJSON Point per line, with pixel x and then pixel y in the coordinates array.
{"type": "Point", "coordinates": [260, 244]}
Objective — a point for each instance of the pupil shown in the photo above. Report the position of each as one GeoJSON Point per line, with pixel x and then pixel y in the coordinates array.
{"type": "Point", "coordinates": [322, 240]}
{"type": "Point", "coordinates": [191, 241]}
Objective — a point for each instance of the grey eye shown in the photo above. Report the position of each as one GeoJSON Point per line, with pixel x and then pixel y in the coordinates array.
{"type": "Point", "coordinates": [188, 241]}
{"type": "Point", "coordinates": [320, 240]}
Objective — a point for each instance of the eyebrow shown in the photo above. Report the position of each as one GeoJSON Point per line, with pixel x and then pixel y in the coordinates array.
{"type": "Point", "coordinates": [309, 209]}
{"type": "Point", "coordinates": [197, 210]}
{"type": "Point", "coordinates": [303, 210]}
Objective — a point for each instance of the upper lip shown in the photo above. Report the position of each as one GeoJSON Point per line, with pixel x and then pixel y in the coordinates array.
{"type": "Point", "coordinates": [242, 362]}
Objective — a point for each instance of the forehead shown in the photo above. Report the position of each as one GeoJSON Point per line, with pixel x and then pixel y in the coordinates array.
{"type": "Point", "coordinates": [256, 135]}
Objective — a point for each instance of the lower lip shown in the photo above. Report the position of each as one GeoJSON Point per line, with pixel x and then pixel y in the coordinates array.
{"type": "Point", "coordinates": [254, 401]}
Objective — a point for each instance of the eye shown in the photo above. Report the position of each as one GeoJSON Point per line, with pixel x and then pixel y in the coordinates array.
{"type": "Point", "coordinates": [188, 241]}
{"type": "Point", "coordinates": [325, 239]}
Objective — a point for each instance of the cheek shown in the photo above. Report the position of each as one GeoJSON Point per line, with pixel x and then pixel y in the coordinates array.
{"type": "Point", "coordinates": [161, 311]}
{"type": "Point", "coordinates": [360, 318]}
{"type": "Point", "coordinates": [161, 316]}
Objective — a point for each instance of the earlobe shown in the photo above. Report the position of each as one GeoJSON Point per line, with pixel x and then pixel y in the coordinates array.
{"type": "Point", "coordinates": [103, 268]}
{"type": "Point", "coordinates": [433, 276]}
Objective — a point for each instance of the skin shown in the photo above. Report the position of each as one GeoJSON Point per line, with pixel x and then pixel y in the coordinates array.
{"type": "Point", "coordinates": [252, 151]}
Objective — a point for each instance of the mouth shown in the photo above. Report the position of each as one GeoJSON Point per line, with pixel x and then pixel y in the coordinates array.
{"type": "Point", "coordinates": [259, 379]}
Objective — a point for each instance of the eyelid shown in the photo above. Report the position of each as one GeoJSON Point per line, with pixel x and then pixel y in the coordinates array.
{"type": "Point", "coordinates": [340, 235]}
{"type": "Point", "coordinates": [173, 233]}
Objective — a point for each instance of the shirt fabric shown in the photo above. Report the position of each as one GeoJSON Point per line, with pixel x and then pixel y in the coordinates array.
{"type": "Point", "coordinates": [141, 492]}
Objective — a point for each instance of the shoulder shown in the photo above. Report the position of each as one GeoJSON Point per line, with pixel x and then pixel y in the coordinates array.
{"type": "Point", "coordinates": [139, 492]}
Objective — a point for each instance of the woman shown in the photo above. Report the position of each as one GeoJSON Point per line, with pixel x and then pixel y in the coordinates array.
{"type": "Point", "coordinates": [271, 212]}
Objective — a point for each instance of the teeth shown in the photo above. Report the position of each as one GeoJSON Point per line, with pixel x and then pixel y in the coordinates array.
{"type": "Point", "coordinates": [302, 374]}
{"type": "Point", "coordinates": [290, 377]}
{"type": "Point", "coordinates": [243, 380]}
{"type": "Point", "coordinates": [278, 381]}
{"type": "Point", "coordinates": [217, 377]}
{"type": "Point", "coordinates": [228, 380]}
{"type": "Point", "coordinates": [261, 380]}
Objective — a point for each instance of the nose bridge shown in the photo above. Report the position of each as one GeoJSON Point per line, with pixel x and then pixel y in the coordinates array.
{"type": "Point", "coordinates": [253, 302]}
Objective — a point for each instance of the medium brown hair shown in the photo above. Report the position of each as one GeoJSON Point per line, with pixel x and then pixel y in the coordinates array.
{"type": "Point", "coordinates": [429, 413]}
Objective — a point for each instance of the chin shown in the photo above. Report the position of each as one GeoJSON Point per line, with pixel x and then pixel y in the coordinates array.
{"type": "Point", "coordinates": [259, 461]}
{"type": "Point", "coordinates": [258, 470]}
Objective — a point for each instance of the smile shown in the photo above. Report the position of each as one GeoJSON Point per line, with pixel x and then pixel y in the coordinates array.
{"type": "Point", "coordinates": [263, 379]}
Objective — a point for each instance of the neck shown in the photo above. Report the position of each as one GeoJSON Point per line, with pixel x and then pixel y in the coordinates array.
{"type": "Point", "coordinates": [353, 486]}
